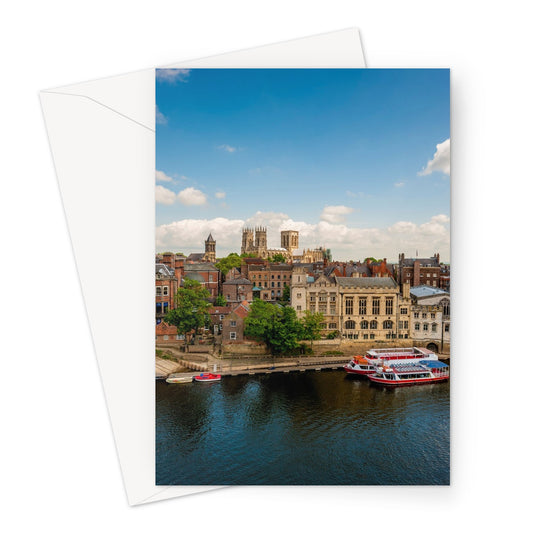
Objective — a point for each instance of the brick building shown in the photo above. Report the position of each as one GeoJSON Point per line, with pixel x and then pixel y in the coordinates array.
{"type": "Point", "coordinates": [419, 271]}
{"type": "Point", "coordinates": [269, 279]}
{"type": "Point", "coordinates": [166, 285]}
{"type": "Point", "coordinates": [205, 273]}
{"type": "Point", "coordinates": [237, 290]}
{"type": "Point", "coordinates": [233, 324]}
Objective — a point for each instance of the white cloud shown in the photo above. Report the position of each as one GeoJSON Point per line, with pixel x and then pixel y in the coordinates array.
{"type": "Point", "coordinates": [159, 117]}
{"type": "Point", "coordinates": [161, 176]}
{"type": "Point", "coordinates": [172, 75]}
{"type": "Point", "coordinates": [358, 194]}
{"type": "Point", "coordinates": [399, 184]}
{"type": "Point", "coordinates": [335, 213]}
{"type": "Point", "coordinates": [220, 194]}
{"type": "Point", "coordinates": [164, 196]}
{"type": "Point", "coordinates": [440, 161]}
{"type": "Point", "coordinates": [345, 242]}
{"type": "Point", "coordinates": [192, 196]}
{"type": "Point", "coordinates": [227, 148]}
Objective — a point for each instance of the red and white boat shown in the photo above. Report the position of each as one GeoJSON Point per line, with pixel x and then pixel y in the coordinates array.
{"type": "Point", "coordinates": [205, 377]}
{"type": "Point", "coordinates": [403, 374]}
{"type": "Point", "coordinates": [364, 365]}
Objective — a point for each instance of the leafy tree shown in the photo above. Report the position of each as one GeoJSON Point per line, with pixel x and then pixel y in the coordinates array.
{"type": "Point", "coordinates": [249, 255]}
{"type": "Point", "coordinates": [277, 258]}
{"type": "Point", "coordinates": [221, 301]}
{"type": "Point", "coordinates": [312, 325]}
{"type": "Point", "coordinates": [277, 326]}
{"type": "Point", "coordinates": [286, 296]}
{"type": "Point", "coordinates": [191, 312]}
{"type": "Point", "coordinates": [225, 264]}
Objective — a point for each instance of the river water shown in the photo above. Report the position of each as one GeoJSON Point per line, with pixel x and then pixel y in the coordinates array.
{"type": "Point", "coordinates": [309, 428]}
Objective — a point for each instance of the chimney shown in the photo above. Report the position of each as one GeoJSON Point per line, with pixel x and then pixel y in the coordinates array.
{"type": "Point", "coordinates": [406, 288]}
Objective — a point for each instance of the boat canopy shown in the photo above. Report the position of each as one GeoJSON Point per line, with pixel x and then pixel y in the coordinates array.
{"type": "Point", "coordinates": [434, 364]}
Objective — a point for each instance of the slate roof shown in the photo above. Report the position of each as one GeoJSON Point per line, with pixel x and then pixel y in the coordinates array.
{"type": "Point", "coordinates": [200, 267]}
{"type": "Point", "coordinates": [384, 283]}
{"type": "Point", "coordinates": [424, 262]}
{"type": "Point", "coordinates": [163, 270]}
{"type": "Point", "coordinates": [210, 238]}
{"type": "Point", "coordinates": [195, 257]}
{"type": "Point", "coordinates": [238, 281]}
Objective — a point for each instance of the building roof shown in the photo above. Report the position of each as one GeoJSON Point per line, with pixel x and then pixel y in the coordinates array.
{"type": "Point", "coordinates": [242, 310]}
{"type": "Point", "coordinates": [163, 270]}
{"type": "Point", "coordinates": [238, 281]}
{"type": "Point", "coordinates": [219, 310]}
{"type": "Point", "coordinates": [200, 267]}
{"type": "Point", "coordinates": [423, 291]}
{"type": "Point", "coordinates": [210, 238]}
{"type": "Point", "coordinates": [385, 283]}
{"type": "Point", "coordinates": [195, 257]}
{"type": "Point", "coordinates": [424, 261]}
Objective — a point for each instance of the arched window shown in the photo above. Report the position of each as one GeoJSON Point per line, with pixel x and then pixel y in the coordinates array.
{"type": "Point", "coordinates": [349, 324]}
{"type": "Point", "coordinates": [445, 306]}
{"type": "Point", "coordinates": [387, 324]}
{"type": "Point", "coordinates": [434, 328]}
{"type": "Point", "coordinates": [373, 324]}
{"type": "Point", "coordinates": [364, 324]}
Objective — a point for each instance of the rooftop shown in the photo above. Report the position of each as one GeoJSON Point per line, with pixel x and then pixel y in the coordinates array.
{"type": "Point", "coordinates": [385, 283]}
{"type": "Point", "coordinates": [421, 291]}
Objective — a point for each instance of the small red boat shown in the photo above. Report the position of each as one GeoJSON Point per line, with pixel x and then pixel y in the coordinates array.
{"type": "Point", "coordinates": [207, 377]}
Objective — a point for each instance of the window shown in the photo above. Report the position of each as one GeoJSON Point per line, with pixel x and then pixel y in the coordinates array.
{"type": "Point", "coordinates": [434, 328]}
{"type": "Point", "coordinates": [332, 325]}
{"type": "Point", "coordinates": [416, 315]}
{"type": "Point", "coordinates": [408, 274]}
{"type": "Point", "coordinates": [349, 324]}
{"type": "Point", "coordinates": [433, 316]}
{"type": "Point", "coordinates": [273, 284]}
{"type": "Point", "coordinates": [434, 275]}
{"type": "Point", "coordinates": [362, 306]}
{"type": "Point", "coordinates": [279, 283]}
{"type": "Point", "coordinates": [417, 327]}
{"type": "Point", "coordinates": [332, 298]}
{"type": "Point", "coordinates": [210, 277]}
{"type": "Point", "coordinates": [233, 323]}
{"type": "Point", "coordinates": [364, 325]}
{"type": "Point", "coordinates": [424, 315]}
{"type": "Point", "coordinates": [403, 311]}
{"type": "Point", "coordinates": [445, 307]}
{"type": "Point", "coordinates": [298, 308]}
{"type": "Point", "coordinates": [233, 335]}
{"type": "Point", "coordinates": [389, 305]}
{"type": "Point", "coordinates": [165, 291]}
{"type": "Point", "coordinates": [426, 328]}
{"type": "Point", "coordinates": [447, 328]}
{"type": "Point", "coordinates": [373, 324]}
{"type": "Point", "coordinates": [158, 291]}
{"type": "Point", "coordinates": [299, 295]}
{"type": "Point", "coordinates": [375, 306]}
{"type": "Point", "coordinates": [387, 324]}
{"type": "Point", "coordinates": [349, 306]}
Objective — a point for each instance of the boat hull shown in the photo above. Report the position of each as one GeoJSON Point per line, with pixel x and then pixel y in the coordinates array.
{"type": "Point", "coordinates": [183, 379]}
{"type": "Point", "coordinates": [357, 371]}
{"type": "Point", "coordinates": [406, 382]}
{"type": "Point", "coordinates": [207, 378]}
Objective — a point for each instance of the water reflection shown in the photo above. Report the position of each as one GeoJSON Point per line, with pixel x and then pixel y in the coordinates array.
{"type": "Point", "coordinates": [301, 428]}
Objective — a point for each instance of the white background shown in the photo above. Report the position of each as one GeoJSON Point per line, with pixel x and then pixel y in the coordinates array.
{"type": "Point", "coordinates": [59, 471]}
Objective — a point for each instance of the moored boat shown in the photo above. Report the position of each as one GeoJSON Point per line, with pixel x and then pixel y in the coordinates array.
{"type": "Point", "coordinates": [364, 365]}
{"type": "Point", "coordinates": [403, 374]}
{"type": "Point", "coordinates": [205, 377]}
{"type": "Point", "coordinates": [179, 379]}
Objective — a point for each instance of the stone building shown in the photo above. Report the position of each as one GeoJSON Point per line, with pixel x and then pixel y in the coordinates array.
{"type": "Point", "coordinates": [210, 249]}
{"type": "Point", "coordinates": [254, 241]}
{"type": "Point", "coordinates": [359, 308]}
{"type": "Point", "coordinates": [430, 323]}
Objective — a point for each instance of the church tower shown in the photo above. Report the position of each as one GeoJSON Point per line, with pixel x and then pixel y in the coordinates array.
{"type": "Point", "coordinates": [247, 246]}
{"type": "Point", "coordinates": [289, 240]}
{"type": "Point", "coordinates": [261, 241]}
{"type": "Point", "coordinates": [210, 249]}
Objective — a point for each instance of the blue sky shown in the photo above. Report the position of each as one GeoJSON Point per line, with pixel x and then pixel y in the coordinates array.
{"type": "Point", "coordinates": [356, 159]}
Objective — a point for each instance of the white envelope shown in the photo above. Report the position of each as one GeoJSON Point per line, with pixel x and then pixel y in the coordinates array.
{"type": "Point", "coordinates": [102, 137]}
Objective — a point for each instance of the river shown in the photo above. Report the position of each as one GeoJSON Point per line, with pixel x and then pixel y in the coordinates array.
{"type": "Point", "coordinates": [309, 428]}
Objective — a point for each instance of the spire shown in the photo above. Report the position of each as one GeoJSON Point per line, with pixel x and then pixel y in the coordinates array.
{"type": "Point", "coordinates": [210, 238]}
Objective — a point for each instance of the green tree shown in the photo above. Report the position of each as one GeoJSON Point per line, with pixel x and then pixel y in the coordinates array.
{"type": "Point", "coordinates": [311, 325]}
{"type": "Point", "coordinates": [225, 264]}
{"type": "Point", "coordinates": [191, 312]}
{"type": "Point", "coordinates": [277, 258]}
{"type": "Point", "coordinates": [277, 326]}
{"type": "Point", "coordinates": [286, 296]}
{"type": "Point", "coordinates": [221, 301]}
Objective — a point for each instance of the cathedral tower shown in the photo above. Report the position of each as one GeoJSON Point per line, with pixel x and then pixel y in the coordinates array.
{"type": "Point", "coordinates": [289, 240]}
